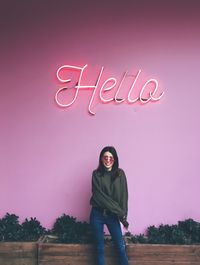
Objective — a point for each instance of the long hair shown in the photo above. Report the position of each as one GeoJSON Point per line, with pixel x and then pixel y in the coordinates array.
{"type": "Point", "coordinates": [115, 168]}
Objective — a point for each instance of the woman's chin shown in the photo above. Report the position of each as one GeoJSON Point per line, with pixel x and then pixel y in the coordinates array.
{"type": "Point", "coordinates": [108, 168]}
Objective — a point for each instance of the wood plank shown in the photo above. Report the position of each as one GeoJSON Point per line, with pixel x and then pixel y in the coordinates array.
{"type": "Point", "coordinates": [138, 254]}
{"type": "Point", "coordinates": [164, 252]}
{"type": "Point", "coordinates": [161, 263]}
{"type": "Point", "coordinates": [18, 253]}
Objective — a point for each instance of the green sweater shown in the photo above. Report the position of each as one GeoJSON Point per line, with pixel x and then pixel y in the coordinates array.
{"type": "Point", "coordinates": [108, 194]}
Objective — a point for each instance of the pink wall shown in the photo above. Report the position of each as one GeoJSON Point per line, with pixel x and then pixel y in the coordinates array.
{"type": "Point", "coordinates": [48, 153]}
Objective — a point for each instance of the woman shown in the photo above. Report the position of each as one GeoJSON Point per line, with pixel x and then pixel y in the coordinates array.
{"type": "Point", "coordinates": [109, 203]}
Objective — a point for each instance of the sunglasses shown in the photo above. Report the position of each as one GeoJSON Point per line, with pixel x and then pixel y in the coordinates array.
{"type": "Point", "coordinates": [108, 158]}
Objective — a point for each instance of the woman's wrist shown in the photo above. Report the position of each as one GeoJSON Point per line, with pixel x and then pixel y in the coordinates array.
{"type": "Point", "coordinates": [124, 221]}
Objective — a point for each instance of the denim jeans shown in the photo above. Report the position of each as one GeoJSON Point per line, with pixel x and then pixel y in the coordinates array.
{"type": "Point", "coordinates": [97, 221]}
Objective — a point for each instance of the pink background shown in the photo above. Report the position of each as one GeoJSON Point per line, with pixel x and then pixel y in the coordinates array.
{"type": "Point", "coordinates": [48, 153]}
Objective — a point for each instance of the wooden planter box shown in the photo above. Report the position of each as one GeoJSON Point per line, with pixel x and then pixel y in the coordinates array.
{"type": "Point", "coordinates": [19, 253]}
{"type": "Point", "coordinates": [138, 254]}
{"type": "Point", "coordinates": [71, 254]}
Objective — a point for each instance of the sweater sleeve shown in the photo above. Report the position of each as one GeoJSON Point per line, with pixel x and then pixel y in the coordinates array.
{"type": "Point", "coordinates": [124, 192]}
{"type": "Point", "coordinates": [103, 200]}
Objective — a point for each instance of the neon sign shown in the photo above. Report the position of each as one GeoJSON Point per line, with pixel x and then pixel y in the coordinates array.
{"type": "Point", "coordinates": [108, 85]}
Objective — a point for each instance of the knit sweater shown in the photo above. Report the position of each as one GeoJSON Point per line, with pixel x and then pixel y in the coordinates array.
{"type": "Point", "coordinates": [110, 194]}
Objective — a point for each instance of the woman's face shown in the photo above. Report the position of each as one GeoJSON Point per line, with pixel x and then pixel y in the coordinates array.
{"type": "Point", "coordinates": [108, 161]}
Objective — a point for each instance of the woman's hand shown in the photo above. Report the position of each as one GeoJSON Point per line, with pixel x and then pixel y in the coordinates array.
{"type": "Point", "coordinates": [124, 222]}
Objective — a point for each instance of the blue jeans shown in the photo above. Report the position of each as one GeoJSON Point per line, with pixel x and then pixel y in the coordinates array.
{"type": "Point", "coordinates": [97, 221]}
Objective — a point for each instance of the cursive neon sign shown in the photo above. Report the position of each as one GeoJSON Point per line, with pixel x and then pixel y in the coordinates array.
{"type": "Point", "coordinates": [108, 85]}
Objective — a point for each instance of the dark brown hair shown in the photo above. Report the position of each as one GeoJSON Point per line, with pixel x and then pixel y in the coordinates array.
{"type": "Point", "coordinates": [115, 168]}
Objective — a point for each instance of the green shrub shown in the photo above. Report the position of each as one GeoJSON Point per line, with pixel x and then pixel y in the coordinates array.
{"type": "Point", "coordinates": [32, 230]}
{"type": "Point", "coordinates": [70, 231]}
{"type": "Point", "coordinates": [191, 230]}
{"type": "Point", "coordinates": [177, 236]}
{"type": "Point", "coordinates": [10, 229]}
{"type": "Point", "coordinates": [186, 232]}
{"type": "Point", "coordinates": [141, 239]}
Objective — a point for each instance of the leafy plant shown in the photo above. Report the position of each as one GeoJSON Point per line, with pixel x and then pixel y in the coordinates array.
{"type": "Point", "coordinates": [10, 229]}
{"type": "Point", "coordinates": [177, 236]}
{"type": "Point", "coordinates": [186, 232]}
{"type": "Point", "coordinates": [141, 238]}
{"type": "Point", "coordinates": [70, 231]}
{"type": "Point", "coordinates": [153, 235]}
{"type": "Point", "coordinates": [191, 230]}
{"type": "Point", "coordinates": [32, 230]}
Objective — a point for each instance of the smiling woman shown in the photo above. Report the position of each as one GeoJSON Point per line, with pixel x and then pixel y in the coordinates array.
{"type": "Point", "coordinates": [109, 203]}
